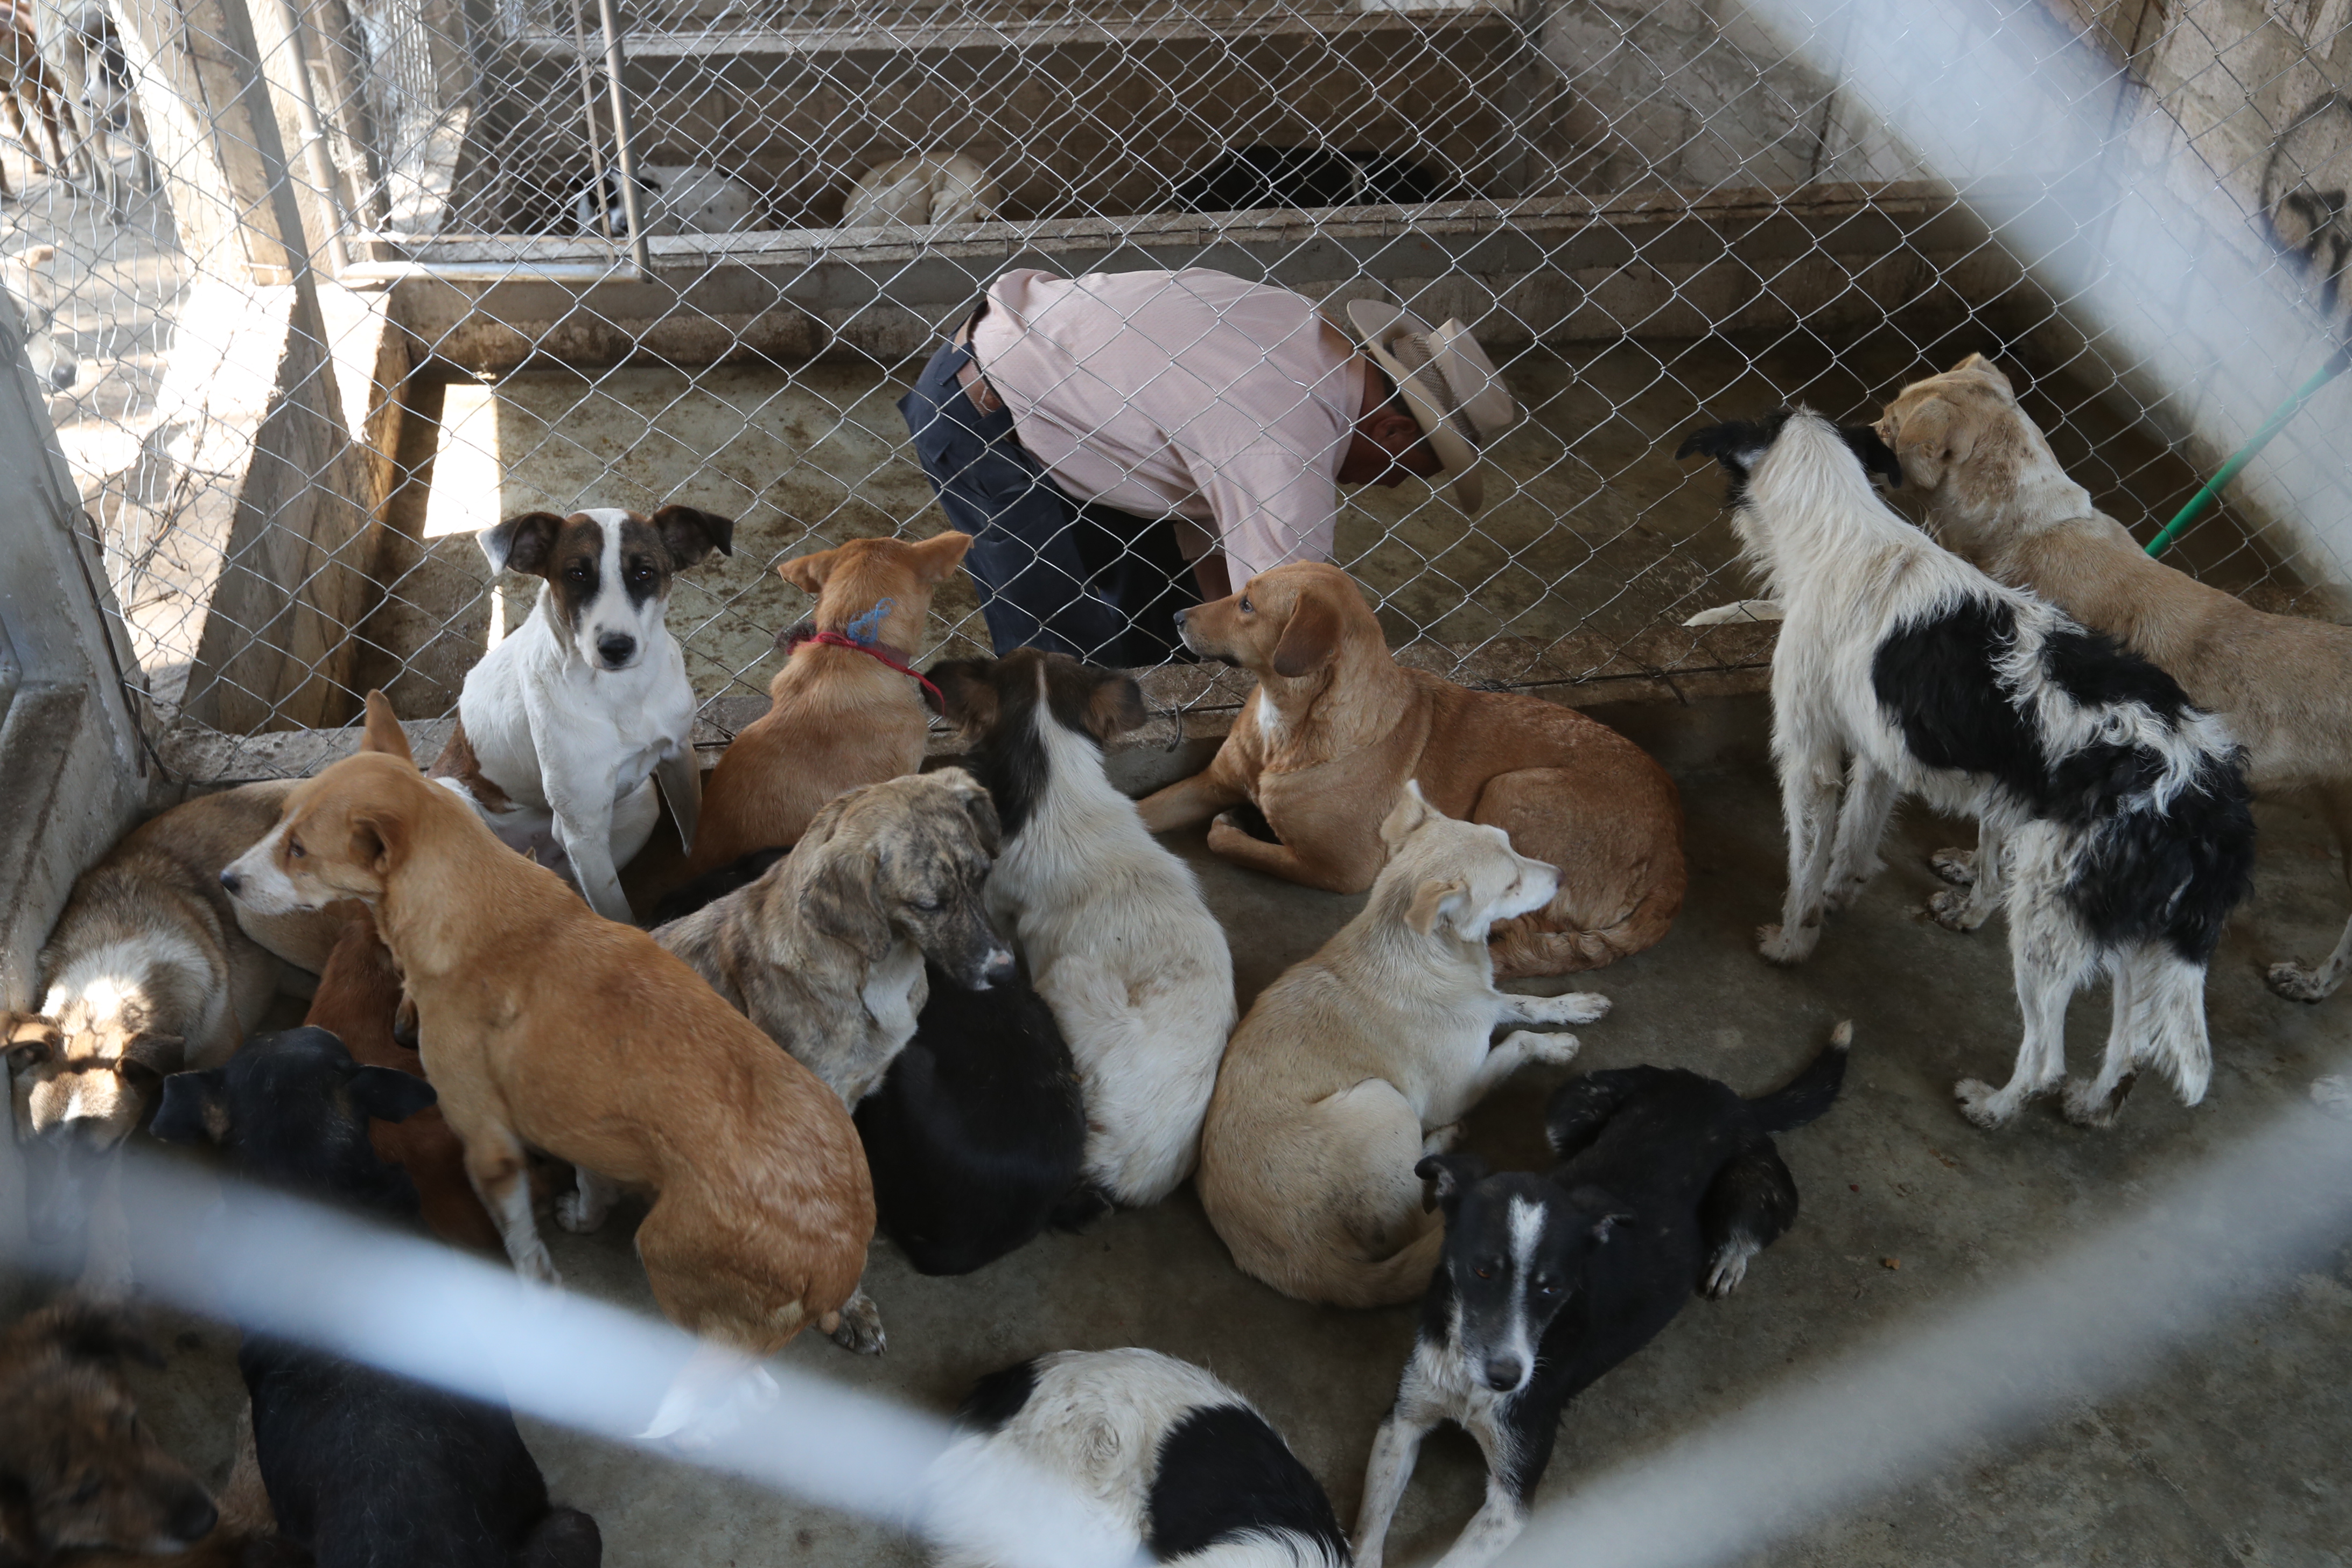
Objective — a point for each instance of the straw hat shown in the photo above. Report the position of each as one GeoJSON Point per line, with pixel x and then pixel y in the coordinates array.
{"type": "Point", "coordinates": [1452, 387]}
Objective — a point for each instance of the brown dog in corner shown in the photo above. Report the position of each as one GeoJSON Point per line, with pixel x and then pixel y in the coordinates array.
{"type": "Point", "coordinates": [844, 710]}
{"type": "Point", "coordinates": [1324, 748]}
{"type": "Point", "coordinates": [545, 1025]}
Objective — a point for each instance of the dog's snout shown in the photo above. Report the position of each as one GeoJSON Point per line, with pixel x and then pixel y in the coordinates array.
{"type": "Point", "coordinates": [617, 648]}
{"type": "Point", "coordinates": [1180, 617]}
{"type": "Point", "coordinates": [1504, 1372]}
{"type": "Point", "coordinates": [998, 970]}
{"type": "Point", "coordinates": [232, 881]}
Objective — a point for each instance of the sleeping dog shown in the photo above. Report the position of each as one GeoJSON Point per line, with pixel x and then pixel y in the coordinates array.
{"type": "Point", "coordinates": [1173, 1466]}
{"type": "Point", "coordinates": [2125, 807]}
{"type": "Point", "coordinates": [564, 726]}
{"type": "Point", "coordinates": [1667, 1183]}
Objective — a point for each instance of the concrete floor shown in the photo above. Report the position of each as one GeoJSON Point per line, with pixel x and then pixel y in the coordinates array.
{"type": "Point", "coordinates": [2231, 1451]}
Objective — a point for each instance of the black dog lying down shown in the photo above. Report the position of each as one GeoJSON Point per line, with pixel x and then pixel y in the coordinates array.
{"type": "Point", "coordinates": [1667, 1183]}
{"type": "Point", "coordinates": [364, 1467]}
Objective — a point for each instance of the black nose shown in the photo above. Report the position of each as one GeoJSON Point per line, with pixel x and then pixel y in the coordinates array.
{"type": "Point", "coordinates": [617, 648]}
{"type": "Point", "coordinates": [1503, 1372]}
{"type": "Point", "coordinates": [1180, 614]}
{"type": "Point", "coordinates": [999, 970]}
{"type": "Point", "coordinates": [194, 1516]}
{"type": "Point", "coordinates": [232, 881]}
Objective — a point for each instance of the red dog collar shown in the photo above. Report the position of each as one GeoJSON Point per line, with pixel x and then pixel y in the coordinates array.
{"type": "Point", "coordinates": [881, 652]}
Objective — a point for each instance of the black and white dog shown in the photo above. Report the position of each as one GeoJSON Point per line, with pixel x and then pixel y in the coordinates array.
{"type": "Point", "coordinates": [2123, 808]}
{"type": "Point", "coordinates": [1667, 1183]}
{"type": "Point", "coordinates": [1166, 1460]}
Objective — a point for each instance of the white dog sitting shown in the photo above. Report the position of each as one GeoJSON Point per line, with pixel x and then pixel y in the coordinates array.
{"type": "Point", "coordinates": [1365, 1058]}
{"type": "Point", "coordinates": [564, 726]}
{"type": "Point", "coordinates": [923, 189]}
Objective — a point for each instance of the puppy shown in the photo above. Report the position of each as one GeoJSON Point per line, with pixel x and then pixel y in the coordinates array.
{"type": "Point", "coordinates": [825, 952]}
{"type": "Point", "coordinates": [362, 1467]}
{"type": "Point", "coordinates": [927, 188]}
{"type": "Point", "coordinates": [1337, 728]}
{"type": "Point", "coordinates": [672, 199]}
{"type": "Point", "coordinates": [358, 994]}
{"type": "Point", "coordinates": [545, 1027]}
{"type": "Point", "coordinates": [1997, 496]}
{"type": "Point", "coordinates": [977, 1138]}
{"type": "Point", "coordinates": [150, 966]}
{"type": "Point", "coordinates": [2125, 807]}
{"type": "Point", "coordinates": [79, 1472]}
{"type": "Point", "coordinates": [564, 726]}
{"type": "Point", "coordinates": [845, 710]}
{"type": "Point", "coordinates": [1117, 940]}
{"type": "Point", "coordinates": [1175, 1467]}
{"type": "Point", "coordinates": [1667, 1183]}
{"type": "Point", "coordinates": [1366, 1057]}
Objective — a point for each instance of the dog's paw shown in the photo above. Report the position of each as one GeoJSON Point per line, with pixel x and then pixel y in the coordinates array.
{"type": "Point", "coordinates": [1779, 945]}
{"type": "Point", "coordinates": [579, 1212]}
{"type": "Point", "coordinates": [2084, 1107]}
{"type": "Point", "coordinates": [534, 1264]}
{"type": "Point", "coordinates": [1958, 867]}
{"type": "Point", "coordinates": [1983, 1104]}
{"type": "Point", "coordinates": [1729, 1267]}
{"type": "Point", "coordinates": [1552, 1050]}
{"type": "Point", "coordinates": [1440, 1140]}
{"type": "Point", "coordinates": [2333, 1095]}
{"type": "Point", "coordinates": [860, 1326]}
{"type": "Point", "coordinates": [2299, 983]}
{"type": "Point", "coordinates": [1845, 889]}
{"type": "Point", "coordinates": [1569, 1007]}
{"type": "Point", "coordinates": [1954, 909]}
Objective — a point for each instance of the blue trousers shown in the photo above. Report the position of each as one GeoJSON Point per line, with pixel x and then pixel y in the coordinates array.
{"type": "Point", "coordinates": [1100, 585]}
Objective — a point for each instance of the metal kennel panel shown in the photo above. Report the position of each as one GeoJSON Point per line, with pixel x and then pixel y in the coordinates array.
{"type": "Point", "coordinates": [1647, 210]}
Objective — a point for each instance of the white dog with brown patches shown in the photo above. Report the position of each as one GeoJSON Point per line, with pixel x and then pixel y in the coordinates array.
{"type": "Point", "coordinates": [564, 727]}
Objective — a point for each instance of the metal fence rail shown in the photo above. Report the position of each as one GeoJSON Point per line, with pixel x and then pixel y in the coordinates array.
{"type": "Point", "coordinates": [372, 303]}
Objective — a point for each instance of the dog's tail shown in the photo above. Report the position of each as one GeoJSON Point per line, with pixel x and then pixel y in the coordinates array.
{"type": "Point", "coordinates": [1402, 1276]}
{"type": "Point", "coordinates": [1803, 1098]}
{"type": "Point", "coordinates": [1080, 1207]}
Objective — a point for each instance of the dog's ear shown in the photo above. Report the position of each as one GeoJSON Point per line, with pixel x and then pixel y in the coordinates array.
{"type": "Point", "coordinates": [1603, 1214]}
{"type": "Point", "coordinates": [388, 1094]}
{"type": "Point", "coordinates": [690, 533]}
{"type": "Point", "coordinates": [89, 1331]}
{"type": "Point", "coordinates": [1985, 368]}
{"type": "Point", "coordinates": [842, 899]}
{"type": "Point", "coordinates": [1448, 1176]}
{"type": "Point", "coordinates": [377, 838]}
{"type": "Point", "coordinates": [1736, 444]}
{"type": "Point", "coordinates": [381, 731]}
{"type": "Point", "coordinates": [160, 1055]}
{"type": "Point", "coordinates": [31, 1039]}
{"type": "Point", "coordinates": [968, 691]}
{"type": "Point", "coordinates": [195, 1108]}
{"type": "Point", "coordinates": [1875, 455]}
{"type": "Point", "coordinates": [808, 572]}
{"type": "Point", "coordinates": [524, 543]}
{"type": "Point", "coordinates": [1436, 899]}
{"type": "Point", "coordinates": [1115, 705]}
{"type": "Point", "coordinates": [937, 558]}
{"type": "Point", "coordinates": [1405, 817]}
{"type": "Point", "coordinates": [1308, 639]}
{"type": "Point", "coordinates": [978, 805]}
{"type": "Point", "coordinates": [1929, 437]}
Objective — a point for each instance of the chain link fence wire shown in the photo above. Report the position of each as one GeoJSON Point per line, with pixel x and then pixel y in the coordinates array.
{"type": "Point", "coordinates": [405, 267]}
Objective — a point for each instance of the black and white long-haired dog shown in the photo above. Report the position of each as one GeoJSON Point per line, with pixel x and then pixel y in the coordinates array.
{"type": "Point", "coordinates": [1168, 1463]}
{"type": "Point", "coordinates": [2123, 808]}
{"type": "Point", "coordinates": [1668, 1183]}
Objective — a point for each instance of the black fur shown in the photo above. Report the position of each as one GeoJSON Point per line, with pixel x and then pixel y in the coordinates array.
{"type": "Point", "coordinates": [712, 885]}
{"type": "Point", "coordinates": [363, 1470]}
{"type": "Point", "coordinates": [2143, 876]}
{"type": "Point", "coordinates": [995, 702]}
{"type": "Point", "coordinates": [1223, 1474]}
{"type": "Point", "coordinates": [1875, 455]}
{"type": "Point", "coordinates": [1247, 179]}
{"type": "Point", "coordinates": [977, 1136]}
{"type": "Point", "coordinates": [1736, 445]}
{"type": "Point", "coordinates": [998, 1398]}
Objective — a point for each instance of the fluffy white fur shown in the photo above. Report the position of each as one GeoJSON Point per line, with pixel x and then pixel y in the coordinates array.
{"type": "Point", "coordinates": [672, 199]}
{"type": "Point", "coordinates": [1848, 571]}
{"type": "Point", "coordinates": [1133, 964]}
{"type": "Point", "coordinates": [1439, 1385]}
{"type": "Point", "coordinates": [924, 189]}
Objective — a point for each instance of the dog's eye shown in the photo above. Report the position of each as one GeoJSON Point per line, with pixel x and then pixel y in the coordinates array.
{"type": "Point", "coordinates": [1247, 608]}
{"type": "Point", "coordinates": [641, 572]}
{"type": "Point", "coordinates": [575, 572]}
{"type": "Point", "coordinates": [87, 1490]}
{"type": "Point", "coordinates": [930, 905]}
{"type": "Point", "coordinates": [1484, 1271]}
{"type": "Point", "coordinates": [294, 851]}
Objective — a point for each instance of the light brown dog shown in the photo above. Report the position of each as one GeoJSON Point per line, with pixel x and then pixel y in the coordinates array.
{"type": "Point", "coordinates": [836, 716]}
{"type": "Point", "coordinates": [1997, 496]}
{"type": "Point", "coordinates": [545, 1025]}
{"type": "Point", "coordinates": [1336, 727]}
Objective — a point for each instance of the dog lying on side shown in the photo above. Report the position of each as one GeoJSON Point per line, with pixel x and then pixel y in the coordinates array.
{"type": "Point", "coordinates": [545, 1027]}
{"type": "Point", "coordinates": [923, 189]}
{"type": "Point", "coordinates": [1178, 1468]}
{"type": "Point", "coordinates": [825, 952]}
{"type": "Point", "coordinates": [150, 966]}
{"type": "Point", "coordinates": [1337, 729]}
{"type": "Point", "coordinates": [359, 992]}
{"type": "Point", "coordinates": [563, 728]}
{"type": "Point", "coordinates": [1668, 1183]}
{"type": "Point", "coordinates": [1117, 940]}
{"type": "Point", "coordinates": [79, 1472]}
{"type": "Point", "coordinates": [2125, 807]}
{"type": "Point", "coordinates": [362, 1467]}
{"type": "Point", "coordinates": [1997, 496]}
{"type": "Point", "coordinates": [838, 716]}
{"type": "Point", "coordinates": [977, 1138]}
{"type": "Point", "coordinates": [672, 199]}
{"type": "Point", "coordinates": [1355, 1063]}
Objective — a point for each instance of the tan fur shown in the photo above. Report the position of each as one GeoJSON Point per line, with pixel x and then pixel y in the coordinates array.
{"type": "Point", "coordinates": [545, 1025]}
{"type": "Point", "coordinates": [835, 718]}
{"type": "Point", "coordinates": [1997, 496]}
{"type": "Point", "coordinates": [1351, 726]}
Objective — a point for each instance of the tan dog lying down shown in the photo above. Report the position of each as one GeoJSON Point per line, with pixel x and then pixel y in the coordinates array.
{"type": "Point", "coordinates": [1362, 1059]}
{"type": "Point", "coordinates": [545, 1025]}
{"type": "Point", "coordinates": [1997, 496]}
{"type": "Point", "coordinates": [1337, 727]}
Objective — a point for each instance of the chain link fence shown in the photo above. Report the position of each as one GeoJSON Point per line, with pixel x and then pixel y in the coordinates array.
{"type": "Point", "coordinates": [346, 280]}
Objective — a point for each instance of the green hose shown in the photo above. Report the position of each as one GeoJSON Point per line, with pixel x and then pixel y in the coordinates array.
{"type": "Point", "coordinates": [2277, 422]}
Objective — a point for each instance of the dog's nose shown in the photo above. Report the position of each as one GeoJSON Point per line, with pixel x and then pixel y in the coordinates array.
{"type": "Point", "coordinates": [1504, 1372]}
{"type": "Point", "coordinates": [998, 969]}
{"type": "Point", "coordinates": [233, 882]}
{"type": "Point", "coordinates": [1179, 618]}
{"type": "Point", "coordinates": [617, 648]}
